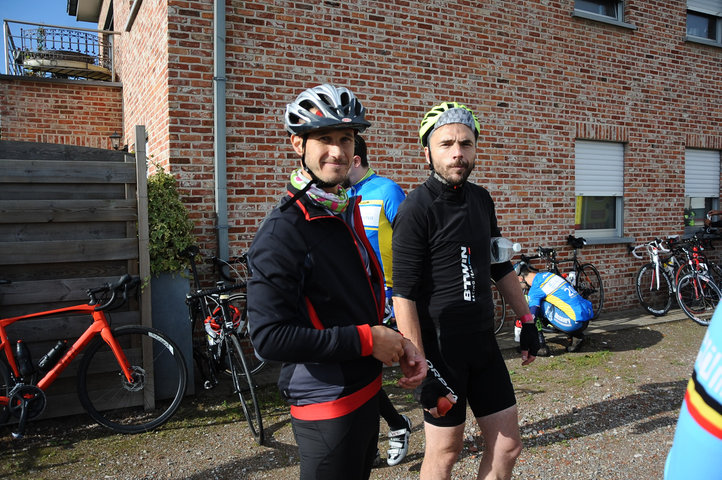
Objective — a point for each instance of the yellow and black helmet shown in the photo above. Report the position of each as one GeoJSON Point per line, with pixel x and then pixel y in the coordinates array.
{"type": "Point", "coordinates": [444, 114]}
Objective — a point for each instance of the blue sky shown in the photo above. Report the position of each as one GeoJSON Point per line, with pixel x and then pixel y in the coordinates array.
{"type": "Point", "coordinates": [52, 12]}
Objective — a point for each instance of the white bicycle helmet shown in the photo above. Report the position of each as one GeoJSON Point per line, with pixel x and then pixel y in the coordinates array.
{"type": "Point", "coordinates": [325, 106]}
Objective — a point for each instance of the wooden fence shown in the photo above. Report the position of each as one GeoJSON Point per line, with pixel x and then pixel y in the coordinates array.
{"type": "Point", "coordinates": [68, 222]}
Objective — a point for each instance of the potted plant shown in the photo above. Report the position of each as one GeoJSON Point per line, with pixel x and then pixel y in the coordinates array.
{"type": "Point", "coordinates": [169, 227]}
{"type": "Point", "coordinates": [170, 232]}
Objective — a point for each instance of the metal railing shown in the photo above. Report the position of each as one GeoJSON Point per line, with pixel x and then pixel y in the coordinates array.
{"type": "Point", "coordinates": [40, 50]}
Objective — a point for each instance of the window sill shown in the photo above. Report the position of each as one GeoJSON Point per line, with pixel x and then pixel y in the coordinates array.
{"type": "Point", "coordinates": [603, 19]}
{"type": "Point", "coordinates": [703, 41]}
{"type": "Point", "coordinates": [607, 240]}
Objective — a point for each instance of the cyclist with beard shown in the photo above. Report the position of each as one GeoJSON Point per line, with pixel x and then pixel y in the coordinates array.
{"type": "Point", "coordinates": [316, 296]}
{"type": "Point", "coordinates": [443, 301]}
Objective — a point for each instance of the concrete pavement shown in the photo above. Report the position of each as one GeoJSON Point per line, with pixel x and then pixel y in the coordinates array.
{"type": "Point", "coordinates": [607, 322]}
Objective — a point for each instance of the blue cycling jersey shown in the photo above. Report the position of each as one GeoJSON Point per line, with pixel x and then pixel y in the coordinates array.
{"type": "Point", "coordinates": [380, 200]}
{"type": "Point", "coordinates": [697, 448]}
{"type": "Point", "coordinates": [561, 304]}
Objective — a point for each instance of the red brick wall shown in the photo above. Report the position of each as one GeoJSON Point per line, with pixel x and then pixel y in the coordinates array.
{"type": "Point", "coordinates": [538, 78]}
{"type": "Point", "coordinates": [54, 111]}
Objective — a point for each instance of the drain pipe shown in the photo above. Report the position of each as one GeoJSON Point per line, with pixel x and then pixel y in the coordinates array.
{"type": "Point", "coordinates": [219, 126]}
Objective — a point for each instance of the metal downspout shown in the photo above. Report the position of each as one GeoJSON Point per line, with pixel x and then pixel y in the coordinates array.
{"type": "Point", "coordinates": [219, 125]}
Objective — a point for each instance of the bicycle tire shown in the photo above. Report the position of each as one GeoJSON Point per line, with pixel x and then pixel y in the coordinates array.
{"type": "Point", "coordinates": [588, 283]}
{"type": "Point", "coordinates": [499, 307]}
{"type": "Point", "coordinates": [111, 401]}
{"type": "Point", "coordinates": [254, 363]}
{"type": "Point", "coordinates": [698, 297]}
{"type": "Point", "coordinates": [653, 293]}
{"type": "Point", "coordinates": [5, 388]}
{"type": "Point", "coordinates": [244, 386]}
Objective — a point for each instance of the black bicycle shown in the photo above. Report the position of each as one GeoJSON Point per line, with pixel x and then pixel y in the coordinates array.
{"type": "Point", "coordinates": [218, 346]}
{"type": "Point", "coordinates": [584, 277]}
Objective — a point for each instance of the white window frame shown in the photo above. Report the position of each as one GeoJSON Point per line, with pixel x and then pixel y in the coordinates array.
{"type": "Point", "coordinates": [708, 8]}
{"type": "Point", "coordinates": [599, 171]}
{"type": "Point", "coordinates": [701, 180]}
{"type": "Point", "coordinates": [617, 20]}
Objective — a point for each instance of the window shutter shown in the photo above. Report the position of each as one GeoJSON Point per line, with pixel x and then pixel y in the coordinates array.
{"type": "Point", "coordinates": [702, 169]}
{"type": "Point", "coordinates": [710, 7]}
{"type": "Point", "coordinates": [599, 169]}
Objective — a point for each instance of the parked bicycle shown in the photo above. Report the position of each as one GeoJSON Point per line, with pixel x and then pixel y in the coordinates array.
{"type": "Point", "coordinates": [131, 379]}
{"type": "Point", "coordinates": [655, 281]}
{"type": "Point", "coordinates": [698, 292]}
{"type": "Point", "coordinates": [584, 277]}
{"type": "Point", "coordinates": [218, 316]}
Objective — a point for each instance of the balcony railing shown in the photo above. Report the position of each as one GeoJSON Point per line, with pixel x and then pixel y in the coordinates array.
{"type": "Point", "coordinates": [39, 50]}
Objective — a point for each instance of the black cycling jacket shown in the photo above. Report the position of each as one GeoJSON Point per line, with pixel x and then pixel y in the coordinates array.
{"type": "Point", "coordinates": [442, 255]}
{"type": "Point", "coordinates": [311, 304]}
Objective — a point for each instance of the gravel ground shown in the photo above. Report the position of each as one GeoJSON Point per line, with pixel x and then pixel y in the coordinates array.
{"type": "Point", "coordinates": [608, 412]}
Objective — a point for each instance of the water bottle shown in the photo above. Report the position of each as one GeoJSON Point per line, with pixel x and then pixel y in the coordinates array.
{"type": "Point", "coordinates": [22, 356]}
{"type": "Point", "coordinates": [51, 358]}
{"type": "Point", "coordinates": [571, 277]}
{"type": "Point", "coordinates": [502, 249]}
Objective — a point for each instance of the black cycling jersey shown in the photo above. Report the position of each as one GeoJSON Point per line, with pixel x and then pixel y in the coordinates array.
{"type": "Point", "coordinates": [441, 253]}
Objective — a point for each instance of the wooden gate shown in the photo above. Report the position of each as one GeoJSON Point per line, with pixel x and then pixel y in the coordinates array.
{"type": "Point", "coordinates": [68, 222]}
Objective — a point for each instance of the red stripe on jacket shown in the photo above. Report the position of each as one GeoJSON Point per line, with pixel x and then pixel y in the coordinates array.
{"type": "Point", "coordinates": [339, 407]}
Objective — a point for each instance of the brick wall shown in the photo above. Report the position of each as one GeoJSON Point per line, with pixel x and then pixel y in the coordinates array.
{"type": "Point", "coordinates": [538, 78]}
{"type": "Point", "coordinates": [59, 111]}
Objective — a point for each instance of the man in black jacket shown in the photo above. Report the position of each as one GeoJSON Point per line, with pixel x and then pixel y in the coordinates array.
{"type": "Point", "coordinates": [316, 296]}
{"type": "Point", "coordinates": [443, 301]}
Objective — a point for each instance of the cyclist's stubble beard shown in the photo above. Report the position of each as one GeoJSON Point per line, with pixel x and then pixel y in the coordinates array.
{"type": "Point", "coordinates": [444, 173]}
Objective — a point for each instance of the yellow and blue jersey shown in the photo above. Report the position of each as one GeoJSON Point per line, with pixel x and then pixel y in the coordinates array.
{"type": "Point", "coordinates": [561, 304]}
{"type": "Point", "coordinates": [380, 200]}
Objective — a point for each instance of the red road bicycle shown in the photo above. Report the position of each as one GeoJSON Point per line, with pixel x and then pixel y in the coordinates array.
{"type": "Point", "coordinates": [117, 384]}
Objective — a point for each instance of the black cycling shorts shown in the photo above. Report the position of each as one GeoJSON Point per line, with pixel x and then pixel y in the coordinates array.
{"type": "Point", "coordinates": [343, 447]}
{"type": "Point", "coordinates": [474, 368]}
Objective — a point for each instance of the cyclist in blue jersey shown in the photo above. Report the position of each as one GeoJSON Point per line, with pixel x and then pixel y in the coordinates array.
{"type": "Point", "coordinates": [697, 447]}
{"type": "Point", "coordinates": [553, 300]}
{"type": "Point", "coordinates": [379, 198]}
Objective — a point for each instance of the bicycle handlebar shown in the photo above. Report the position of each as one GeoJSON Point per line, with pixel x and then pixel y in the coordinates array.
{"type": "Point", "coordinates": [215, 291]}
{"type": "Point", "coordinates": [120, 286]}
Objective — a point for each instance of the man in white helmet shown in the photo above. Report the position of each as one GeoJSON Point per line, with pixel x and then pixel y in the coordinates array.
{"type": "Point", "coordinates": [316, 296]}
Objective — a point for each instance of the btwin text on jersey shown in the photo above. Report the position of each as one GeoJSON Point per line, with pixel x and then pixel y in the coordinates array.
{"type": "Point", "coordinates": [467, 274]}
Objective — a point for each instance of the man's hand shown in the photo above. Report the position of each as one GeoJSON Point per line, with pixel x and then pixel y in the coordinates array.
{"type": "Point", "coordinates": [388, 345]}
{"type": "Point", "coordinates": [529, 342]}
{"type": "Point", "coordinates": [435, 395]}
{"type": "Point", "coordinates": [413, 365]}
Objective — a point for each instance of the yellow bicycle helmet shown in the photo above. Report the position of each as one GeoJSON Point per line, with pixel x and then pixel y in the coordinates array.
{"type": "Point", "coordinates": [444, 114]}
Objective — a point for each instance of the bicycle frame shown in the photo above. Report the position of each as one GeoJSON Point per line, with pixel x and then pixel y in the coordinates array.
{"type": "Point", "coordinates": [100, 326]}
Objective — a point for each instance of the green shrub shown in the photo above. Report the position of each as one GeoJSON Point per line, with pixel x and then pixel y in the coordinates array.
{"type": "Point", "coordinates": [170, 229]}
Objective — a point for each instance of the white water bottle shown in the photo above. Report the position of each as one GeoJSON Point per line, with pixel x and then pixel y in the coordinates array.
{"type": "Point", "coordinates": [502, 249]}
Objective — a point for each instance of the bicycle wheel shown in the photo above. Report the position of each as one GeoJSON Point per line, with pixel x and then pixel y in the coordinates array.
{"type": "Point", "coordinates": [159, 372]}
{"type": "Point", "coordinates": [654, 289]}
{"type": "Point", "coordinates": [254, 364]}
{"type": "Point", "coordinates": [4, 392]}
{"type": "Point", "coordinates": [499, 307]}
{"type": "Point", "coordinates": [698, 296]}
{"type": "Point", "coordinates": [244, 386]}
{"type": "Point", "coordinates": [588, 283]}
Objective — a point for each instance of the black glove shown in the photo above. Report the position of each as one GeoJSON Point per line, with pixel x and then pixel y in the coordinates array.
{"type": "Point", "coordinates": [433, 392]}
{"type": "Point", "coordinates": [529, 338]}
